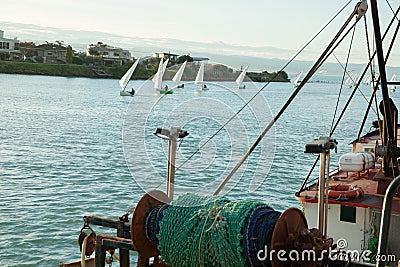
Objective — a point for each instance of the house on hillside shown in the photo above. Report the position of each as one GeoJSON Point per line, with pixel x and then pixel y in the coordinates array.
{"type": "Point", "coordinates": [9, 48]}
{"type": "Point", "coordinates": [173, 58]}
{"type": "Point", "coordinates": [52, 53]}
{"type": "Point", "coordinates": [110, 55]}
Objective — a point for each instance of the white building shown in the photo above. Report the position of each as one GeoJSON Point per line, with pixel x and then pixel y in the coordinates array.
{"type": "Point", "coordinates": [9, 48]}
{"type": "Point", "coordinates": [172, 57]}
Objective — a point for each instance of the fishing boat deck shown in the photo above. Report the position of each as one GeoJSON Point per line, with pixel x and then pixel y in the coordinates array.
{"type": "Point", "coordinates": [372, 181]}
{"type": "Point", "coordinates": [369, 181]}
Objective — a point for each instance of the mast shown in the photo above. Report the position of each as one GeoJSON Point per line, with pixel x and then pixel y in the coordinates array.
{"type": "Point", "coordinates": [389, 149]}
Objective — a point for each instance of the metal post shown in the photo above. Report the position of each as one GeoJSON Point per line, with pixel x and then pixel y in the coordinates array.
{"type": "Point", "coordinates": [385, 219]}
{"type": "Point", "coordinates": [171, 135]}
{"type": "Point", "coordinates": [174, 134]}
{"type": "Point", "coordinates": [321, 191]}
{"type": "Point", "coordinates": [322, 145]}
{"type": "Point", "coordinates": [124, 257]}
{"type": "Point", "coordinates": [168, 167]}
{"type": "Point", "coordinates": [100, 252]}
{"type": "Point", "coordinates": [326, 199]}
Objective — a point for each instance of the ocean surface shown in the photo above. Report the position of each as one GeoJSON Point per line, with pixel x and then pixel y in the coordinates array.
{"type": "Point", "coordinates": [71, 147]}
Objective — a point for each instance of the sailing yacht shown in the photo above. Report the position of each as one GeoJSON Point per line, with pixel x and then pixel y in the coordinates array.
{"type": "Point", "coordinates": [158, 78]}
{"type": "Point", "coordinates": [123, 82]}
{"type": "Point", "coordinates": [351, 79]}
{"type": "Point", "coordinates": [200, 77]}
{"type": "Point", "coordinates": [178, 76]}
{"type": "Point", "coordinates": [240, 78]}
{"type": "Point", "coordinates": [296, 80]}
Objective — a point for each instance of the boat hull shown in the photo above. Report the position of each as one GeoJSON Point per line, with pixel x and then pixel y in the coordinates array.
{"type": "Point", "coordinates": [166, 92]}
{"type": "Point", "coordinates": [125, 93]}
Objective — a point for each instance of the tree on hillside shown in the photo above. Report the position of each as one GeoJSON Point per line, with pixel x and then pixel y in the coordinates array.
{"type": "Point", "coordinates": [284, 75]}
{"type": "Point", "coordinates": [28, 49]}
{"type": "Point", "coordinates": [93, 52]}
{"type": "Point", "coordinates": [184, 58]}
{"type": "Point", "coordinates": [27, 44]}
{"type": "Point", "coordinates": [280, 75]}
{"type": "Point", "coordinates": [69, 55]}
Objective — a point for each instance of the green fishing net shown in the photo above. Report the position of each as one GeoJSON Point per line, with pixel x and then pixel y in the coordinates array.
{"type": "Point", "coordinates": [204, 231]}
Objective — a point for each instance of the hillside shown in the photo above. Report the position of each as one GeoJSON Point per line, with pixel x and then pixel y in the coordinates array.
{"type": "Point", "coordinates": [213, 72]}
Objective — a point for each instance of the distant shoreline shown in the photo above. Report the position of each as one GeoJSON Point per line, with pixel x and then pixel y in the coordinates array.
{"type": "Point", "coordinates": [73, 70]}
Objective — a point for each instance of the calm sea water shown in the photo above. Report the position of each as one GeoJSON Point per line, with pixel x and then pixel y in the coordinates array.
{"type": "Point", "coordinates": [72, 147]}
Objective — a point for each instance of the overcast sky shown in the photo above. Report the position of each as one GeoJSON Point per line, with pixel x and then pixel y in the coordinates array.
{"type": "Point", "coordinates": [286, 24]}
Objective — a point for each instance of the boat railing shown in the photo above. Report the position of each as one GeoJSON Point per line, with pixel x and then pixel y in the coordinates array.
{"type": "Point", "coordinates": [308, 183]}
{"type": "Point", "coordinates": [385, 220]}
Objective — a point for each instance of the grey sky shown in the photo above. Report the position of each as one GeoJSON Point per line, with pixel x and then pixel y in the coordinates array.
{"type": "Point", "coordinates": [254, 23]}
{"type": "Point", "coordinates": [284, 24]}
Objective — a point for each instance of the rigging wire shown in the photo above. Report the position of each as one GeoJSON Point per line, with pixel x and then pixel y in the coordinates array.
{"type": "Point", "coordinates": [363, 73]}
{"type": "Point", "coordinates": [390, 6]}
{"type": "Point", "coordinates": [357, 87]}
{"type": "Point", "coordinates": [327, 52]}
{"type": "Point", "coordinates": [344, 75]}
{"type": "Point", "coordinates": [350, 98]}
{"type": "Point", "coordinates": [376, 85]}
{"type": "Point", "coordinates": [372, 78]}
{"type": "Point", "coordinates": [262, 88]}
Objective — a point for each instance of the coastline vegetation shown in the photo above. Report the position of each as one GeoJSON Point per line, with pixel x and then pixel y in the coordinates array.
{"type": "Point", "coordinates": [58, 59]}
{"type": "Point", "coordinates": [143, 71]}
{"type": "Point", "coordinates": [72, 70]}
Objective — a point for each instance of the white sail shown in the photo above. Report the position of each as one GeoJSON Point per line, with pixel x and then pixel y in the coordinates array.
{"type": "Point", "coordinates": [123, 82]}
{"type": "Point", "coordinates": [296, 80]}
{"type": "Point", "coordinates": [240, 78]}
{"type": "Point", "coordinates": [157, 79]}
{"type": "Point", "coordinates": [355, 78]}
{"type": "Point", "coordinates": [164, 67]}
{"type": "Point", "coordinates": [178, 75]}
{"type": "Point", "coordinates": [200, 75]}
{"type": "Point", "coordinates": [162, 71]}
{"type": "Point", "coordinates": [351, 80]}
{"type": "Point", "coordinates": [348, 81]}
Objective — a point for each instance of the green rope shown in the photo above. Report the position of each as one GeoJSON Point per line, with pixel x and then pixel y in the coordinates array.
{"type": "Point", "coordinates": [204, 231]}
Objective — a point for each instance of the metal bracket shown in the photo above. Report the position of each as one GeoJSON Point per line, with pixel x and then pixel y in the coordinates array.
{"type": "Point", "coordinates": [321, 145]}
